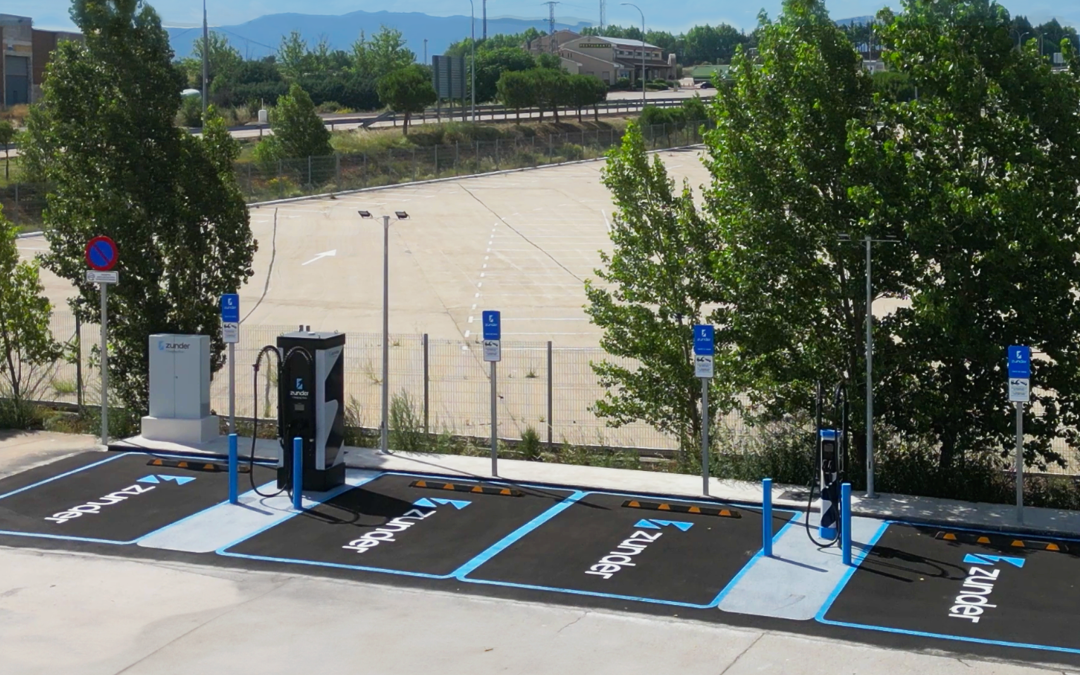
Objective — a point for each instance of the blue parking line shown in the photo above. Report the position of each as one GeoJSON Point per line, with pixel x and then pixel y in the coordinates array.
{"type": "Point", "coordinates": [902, 631]}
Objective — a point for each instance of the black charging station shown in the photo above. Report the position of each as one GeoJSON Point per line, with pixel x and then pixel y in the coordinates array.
{"type": "Point", "coordinates": [311, 406]}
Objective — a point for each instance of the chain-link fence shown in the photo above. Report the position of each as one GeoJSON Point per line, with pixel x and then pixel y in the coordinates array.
{"type": "Point", "coordinates": [540, 385]}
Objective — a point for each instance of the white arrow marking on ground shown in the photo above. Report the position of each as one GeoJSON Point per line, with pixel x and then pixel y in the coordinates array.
{"type": "Point", "coordinates": [325, 254]}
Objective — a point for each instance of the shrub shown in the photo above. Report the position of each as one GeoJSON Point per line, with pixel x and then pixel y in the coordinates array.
{"type": "Point", "coordinates": [406, 425]}
{"type": "Point", "coordinates": [530, 444]}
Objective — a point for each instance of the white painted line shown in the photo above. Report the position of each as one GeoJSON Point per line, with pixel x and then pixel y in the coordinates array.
{"type": "Point", "coordinates": [470, 321]}
{"type": "Point", "coordinates": [467, 333]}
{"type": "Point", "coordinates": [225, 523]}
{"type": "Point", "coordinates": [474, 306]}
{"type": "Point", "coordinates": [325, 254]}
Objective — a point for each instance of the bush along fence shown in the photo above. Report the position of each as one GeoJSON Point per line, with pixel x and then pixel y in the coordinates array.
{"type": "Point", "coordinates": [341, 172]}
{"type": "Point", "coordinates": [24, 202]}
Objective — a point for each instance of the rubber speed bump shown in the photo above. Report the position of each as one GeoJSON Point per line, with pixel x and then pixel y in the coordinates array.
{"type": "Point", "coordinates": [465, 487]}
{"type": "Point", "coordinates": [1002, 541]}
{"type": "Point", "coordinates": [680, 508]}
{"type": "Point", "coordinates": [212, 467]}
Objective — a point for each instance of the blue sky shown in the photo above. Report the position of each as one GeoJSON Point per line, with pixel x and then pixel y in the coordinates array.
{"type": "Point", "coordinates": [658, 13]}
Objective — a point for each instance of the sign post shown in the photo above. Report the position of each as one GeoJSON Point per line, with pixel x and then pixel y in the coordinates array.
{"type": "Point", "coordinates": [101, 255]}
{"type": "Point", "coordinates": [704, 350]}
{"type": "Point", "coordinates": [492, 322]}
{"type": "Point", "coordinates": [230, 333]}
{"type": "Point", "coordinates": [1019, 362]}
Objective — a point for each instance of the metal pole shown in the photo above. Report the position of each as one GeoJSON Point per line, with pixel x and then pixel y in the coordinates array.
{"type": "Point", "coordinates": [766, 517]}
{"type": "Point", "coordinates": [472, 64]}
{"type": "Point", "coordinates": [869, 378]}
{"type": "Point", "coordinates": [494, 424]}
{"type": "Point", "coordinates": [550, 380]}
{"type": "Point", "coordinates": [78, 364]}
{"type": "Point", "coordinates": [384, 428]}
{"type": "Point", "coordinates": [845, 522]}
{"type": "Point", "coordinates": [298, 474]}
{"type": "Point", "coordinates": [205, 63]}
{"type": "Point", "coordinates": [705, 436]}
{"type": "Point", "coordinates": [1019, 462]}
{"type": "Point", "coordinates": [232, 388]}
{"type": "Point", "coordinates": [104, 363]}
{"type": "Point", "coordinates": [426, 380]}
{"type": "Point", "coordinates": [233, 470]}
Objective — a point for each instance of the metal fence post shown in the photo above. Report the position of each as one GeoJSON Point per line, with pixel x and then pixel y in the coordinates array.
{"type": "Point", "coordinates": [337, 169]}
{"type": "Point", "coordinates": [414, 164]}
{"type": "Point", "coordinates": [427, 405]}
{"type": "Point", "coordinates": [309, 181]}
{"type": "Point", "coordinates": [436, 161]}
{"type": "Point", "coordinates": [457, 152]}
{"type": "Point", "coordinates": [496, 154]}
{"type": "Point", "coordinates": [550, 379]}
{"type": "Point", "coordinates": [78, 363]}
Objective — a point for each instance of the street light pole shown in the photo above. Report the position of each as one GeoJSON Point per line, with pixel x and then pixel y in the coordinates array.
{"type": "Point", "coordinates": [205, 63]}
{"type": "Point", "coordinates": [630, 4]}
{"type": "Point", "coordinates": [472, 65]}
{"type": "Point", "coordinates": [384, 440]}
{"type": "Point", "coordinates": [869, 241]}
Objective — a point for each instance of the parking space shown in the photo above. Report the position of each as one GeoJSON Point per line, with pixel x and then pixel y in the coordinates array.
{"type": "Point", "coordinates": [681, 553]}
{"type": "Point", "coordinates": [964, 585]}
{"type": "Point", "coordinates": [403, 524]}
{"type": "Point", "coordinates": [113, 499]}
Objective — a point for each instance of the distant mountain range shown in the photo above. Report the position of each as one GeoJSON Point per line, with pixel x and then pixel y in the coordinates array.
{"type": "Point", "coordinates": [261, 37]}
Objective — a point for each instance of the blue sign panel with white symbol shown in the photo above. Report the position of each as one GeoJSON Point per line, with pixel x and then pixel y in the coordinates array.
{"type": "Point", "coordinates": [230, 308]}
{"type": "Point", "coordinates": [492, 325]}
{"type": "Point", "coordinates": [703, 340]}
{"type": "Point", "coordinates": [1019, 362]}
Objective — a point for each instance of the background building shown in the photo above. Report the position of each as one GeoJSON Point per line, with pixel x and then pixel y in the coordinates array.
{"type": "Point", "coordinates": [25, 54]}
{"type": "Point", "coordinates": [606, 58]}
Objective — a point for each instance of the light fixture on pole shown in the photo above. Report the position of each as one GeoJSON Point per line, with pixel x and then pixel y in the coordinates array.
{"type": "Point", "coordinates": [630, 4]}
{"type": "Point", "coordinates": [472, 64]}
{"type": "Point", "coordinates": [384, 427]}
{"type": "Point", "coordinates": [868, 241]}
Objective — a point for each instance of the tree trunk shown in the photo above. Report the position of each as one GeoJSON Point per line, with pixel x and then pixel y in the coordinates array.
{"type": "Point", "coordinates": [579, 115]}
{"type": "Point", "coordinates": [405, 127]}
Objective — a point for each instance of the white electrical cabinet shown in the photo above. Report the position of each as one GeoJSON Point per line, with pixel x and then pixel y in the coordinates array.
{"type": "Point", "coordinates": [180, 390]}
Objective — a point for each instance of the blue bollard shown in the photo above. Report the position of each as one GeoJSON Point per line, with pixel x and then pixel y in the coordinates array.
{"type": "Point", "coordinates": [845, 522]}
{"type": "Point", "coordinates": [234, 470]}
{"type": "Point", "coordinates": [298, 474]}
{"type": "Point", "coordinates": [766, 517]}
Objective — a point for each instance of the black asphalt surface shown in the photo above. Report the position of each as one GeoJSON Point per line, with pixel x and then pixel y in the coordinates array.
{"type": "Point", "coordinates": [915, 590]}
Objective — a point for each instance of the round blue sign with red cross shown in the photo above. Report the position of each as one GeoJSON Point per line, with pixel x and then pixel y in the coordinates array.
{"type": "Point", "coordinates": [101, 254]}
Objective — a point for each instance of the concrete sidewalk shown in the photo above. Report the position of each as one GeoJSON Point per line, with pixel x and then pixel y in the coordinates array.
{"type": "Point", "coordinates": [22, 450]}
{"type": "Point", "coordinates": [1000, 517]}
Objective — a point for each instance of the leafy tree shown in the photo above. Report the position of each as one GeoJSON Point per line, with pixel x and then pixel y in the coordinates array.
{"type": "Point", "coordinates": [408, 91]}
{"type": "Point", "coordinates": [103, 137]}
{"type": "Point", "coordinates": [779, 199]}
{"type": "Point", "coordinates": [653, 288]}
{"type": "Point", "coordinates": [584, 91]}
{"type": "Point", "coordinates": [552, 89]}
{"type": "Point", "coordinates": [549, 61]}
{"type": "Point", "coordinates": [27, 344]}
{"type": "Point", "coordinates": [709, 44]}
{"type": "Point", "coordinates": [979, 177]}
{"type": "Point", "coordinates": [298, 128]}
{"type": "Point", "coordinates": [383, 54]}
{"type": "Point", "coordinates": [492, 63]}
{"type": "Point", "coordinates": [224, 60]}
{"type": "Point", "coordinates": [255, 84]}
{"type": "Point", "coordinates": [292, 56]}
{"type": "Point", "coordinates": [7, 136]}
{"type": "Point", "coordinates": [516, 90]}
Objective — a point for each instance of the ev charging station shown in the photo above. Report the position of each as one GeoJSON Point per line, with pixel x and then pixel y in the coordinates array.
{"type": "Point", "coordinates": [830, 459]}
{"type": "Point", "coordinates": [311, 407]}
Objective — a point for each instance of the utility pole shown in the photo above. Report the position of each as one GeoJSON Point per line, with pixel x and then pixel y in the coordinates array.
{"type": "Point", "coordinates": [205, 63]}
{"type": "Point", "coordinates": [869, 241]}
{"type": "Point", "coordinates": [472, 48]}
{"type": "Point", "coordinates": [483, 11]}
{"type": "Point", "coordinates": [425, 51]}
{"type": "Point", "coordinates": [551, 26]}
{"type": "Point", "coordinates": [643, 78]}
{"type": "Point", "coordinates": [603, 15]}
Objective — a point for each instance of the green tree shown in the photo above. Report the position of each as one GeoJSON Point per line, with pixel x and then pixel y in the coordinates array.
{"type": "Point", "coordinates": [292, 56]}
{"type": "Point", "coordinates": [103, 137]}
{"type": "Point", "coordinates": [408, 91]}
{"type": "Point", "coordinates": [584, 91]}
{"type": "Point", "coordinates": [978, 177]}
{"type": "Point", "coordinates": [7, 136]}
{"type": "Point", "coordinates": [552, 89]}
{"type": "Point", "coordinates": [224, 60]}
{"type": "Point", "coordinates": [28, 346]}
{"type": "Point", "coordinates": [779, 199]}
{"type": "Point", "coordinates": [492, 63]}
{"type": "Point", "coordinates": [654, 286]}
{"type": "Point", "coordinates": [383, 54]}
{"type": "Point", "coordinates": [516, 90]}
{"type": "Point", "coordinates": [298, 128]}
